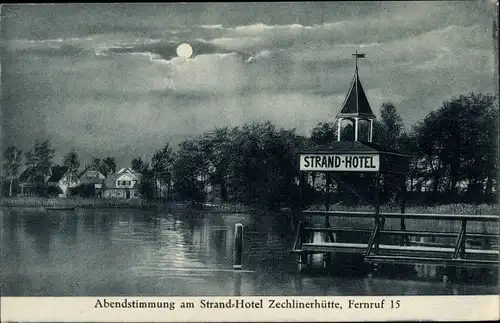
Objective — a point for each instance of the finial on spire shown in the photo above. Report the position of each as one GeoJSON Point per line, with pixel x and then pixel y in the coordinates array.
{"type": "Point", "coordinates": [360, 55]}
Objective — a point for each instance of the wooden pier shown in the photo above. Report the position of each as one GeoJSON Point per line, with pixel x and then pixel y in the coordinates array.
{"type": "Point", "coordinates": [459, 254]}
{"type": "Point", "coordinates": [374, 242]}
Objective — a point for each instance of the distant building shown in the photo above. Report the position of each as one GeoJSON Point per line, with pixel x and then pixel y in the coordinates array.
{"type": "Point", "coordinates": [122, 184]}
{"type": "Point", "coordinates": [58, 177]}
{"type": "Point", "coordinates": [28, 181]}
{"type": "Point", "coordinates": [60, 180]}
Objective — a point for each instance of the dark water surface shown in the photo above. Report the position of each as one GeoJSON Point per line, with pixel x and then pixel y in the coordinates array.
{"type": "Point", "coordinates": [144, 253]}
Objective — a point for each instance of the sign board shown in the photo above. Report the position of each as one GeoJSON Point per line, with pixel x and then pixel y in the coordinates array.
{"type": "Point", "coordinates": [340, 162]}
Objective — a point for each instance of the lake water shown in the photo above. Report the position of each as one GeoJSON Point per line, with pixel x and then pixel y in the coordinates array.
{"type": "Point", "coordinates": [144, 253]}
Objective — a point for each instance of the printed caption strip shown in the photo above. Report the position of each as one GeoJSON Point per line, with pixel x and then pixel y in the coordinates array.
{"type": "Point", "coordinates": [240, 309]}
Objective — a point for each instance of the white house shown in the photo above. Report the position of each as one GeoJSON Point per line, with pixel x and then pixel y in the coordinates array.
{"type": "Point", "coordinates": [122, 184]}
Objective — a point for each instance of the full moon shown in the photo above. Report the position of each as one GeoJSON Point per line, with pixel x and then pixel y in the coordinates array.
{"type": "Point", "coordinates": [184, 50]}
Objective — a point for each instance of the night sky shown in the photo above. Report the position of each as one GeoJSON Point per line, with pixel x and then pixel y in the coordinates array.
{"type": "Point", "coordinates": [106, 80]}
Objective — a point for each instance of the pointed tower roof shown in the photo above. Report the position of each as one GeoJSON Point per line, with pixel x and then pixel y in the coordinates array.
{"type": "Point", "coordinates": [356, 104]}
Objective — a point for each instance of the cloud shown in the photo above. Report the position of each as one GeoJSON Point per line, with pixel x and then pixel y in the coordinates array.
{"type": "Point", "coordinates": [212, 26]}
{"type": "Point", "coordinates": [109, 85]}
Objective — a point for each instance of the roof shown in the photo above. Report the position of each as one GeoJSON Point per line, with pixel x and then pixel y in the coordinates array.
{"type": "Point", "coordinates": [92, 177]}
{"type": "Point", "coordinates": [27, 175]}
{"type": "Point", "coordinates": [57, 173]}
{"type": "Point", "coordinates": [110, 182]}
{"type": "Point", "coordinates": [126, 169]}
{"type": "Point", "coordinates": [354, 147]}
{"type": "Point", "coordinates": [86, 169]}
{"type": "Point", "coordinates": [356, 103]}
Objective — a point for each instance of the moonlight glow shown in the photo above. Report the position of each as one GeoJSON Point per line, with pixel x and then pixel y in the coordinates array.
{"type": "Point", "coordinates": [184, 50]}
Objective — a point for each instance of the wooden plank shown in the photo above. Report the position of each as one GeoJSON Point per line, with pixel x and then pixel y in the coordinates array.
{"type": "Point", "coordinates": [437, 261]}
{"type": "Point", "coordinates": [369, 246]}
{"type": "Point", "coordinates": [482, 235]}
{"type": "Point", "coordinates": [401, 232]}
{"type": "Point", "coordinates": [329, 246]}
{"type": "Point", "coordinates": [450, 217]}
{"type": "Point", "coordinates": [460, 243]}
{"type": "Point", "coordinates": [335, 247]}
{"type": "Point", "coordinates": [322, 229]}
{"type": "Point", "coordinates": [420, 233]}
{"type": "Point", "coordinates": [462, 246]}
{"type": "Point", "coordinates": [297, 237]}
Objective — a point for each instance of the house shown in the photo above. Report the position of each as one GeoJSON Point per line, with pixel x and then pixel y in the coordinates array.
{"type": "Point", "coordinates": [27, 182]}
{"type": "Point", "coordinates": [91, 176]}
{"type": "Point", "coordinates": [60, 180]}
{"type": "Point", "coordinates": [31, 182]}
{"type": "Point", "coordinates": [122, 184]}
{"type": "Point", "coordinates": [58, 177]}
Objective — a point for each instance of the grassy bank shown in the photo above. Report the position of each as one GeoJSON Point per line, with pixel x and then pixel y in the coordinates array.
{"type": "Point", "coordinates": [76, 202]}
{"type": "Point", "coordinates": [28, 201]}
{"type": "Point", "coordinates": [99, 203]}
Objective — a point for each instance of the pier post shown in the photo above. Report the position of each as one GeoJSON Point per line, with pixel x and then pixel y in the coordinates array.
{"type": "Point", "coordinates": [377, 211]}
{"type": "Point", "coordinates": [237, 284]}
{"type": "Point", "coordinates": [404, 240]}
{"type": "Point", "coordinates": [327, 205]}
{"type": "Point", "coordinates": [238, 245]}
{"type": "Point", "coordinates": [462, 242]}
{"type": "Point", "coordinates": [302, 262]}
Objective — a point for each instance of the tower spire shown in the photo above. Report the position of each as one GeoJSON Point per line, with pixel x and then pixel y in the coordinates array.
{"type": "Point", "coordinates": [356, 106]}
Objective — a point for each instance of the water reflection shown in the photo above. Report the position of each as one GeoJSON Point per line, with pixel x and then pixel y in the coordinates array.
{"type": "Point", "coordinates": [125, 252]}
{"type": "Point", "coordinates": [41, 227]}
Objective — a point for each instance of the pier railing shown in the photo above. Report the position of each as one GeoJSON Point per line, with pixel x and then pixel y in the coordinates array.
{"type": "Point", "coordinates": [458, 254]}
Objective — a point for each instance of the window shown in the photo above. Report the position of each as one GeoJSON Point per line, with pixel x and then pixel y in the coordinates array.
{"type": "Point", "coordinates": [127, 183]}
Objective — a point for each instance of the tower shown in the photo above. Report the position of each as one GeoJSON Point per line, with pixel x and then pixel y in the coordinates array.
{"type": "Point", "coordinates": [356, 107]}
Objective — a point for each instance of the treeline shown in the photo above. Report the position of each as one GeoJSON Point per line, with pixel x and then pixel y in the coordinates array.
{"type": "Point", "coordinates": [454, 160]}
{"type": "Point", "coordinates": [39, 162]}
{"type": "Point", "coordinates": [454, 151]}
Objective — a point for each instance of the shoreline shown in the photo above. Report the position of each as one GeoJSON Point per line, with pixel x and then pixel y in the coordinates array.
{"type": "Point", "coordinates": [105, 203]}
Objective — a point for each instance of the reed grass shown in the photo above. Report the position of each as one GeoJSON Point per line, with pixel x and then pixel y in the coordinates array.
{"type": "Point", "coordinates": [36, 202]}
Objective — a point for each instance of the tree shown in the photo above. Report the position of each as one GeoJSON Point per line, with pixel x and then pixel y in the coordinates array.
{"type": "Point", "coordinates": [162, 167]}
{"type": "Point", "coordinates": [191, 170]}
{"type": "Point", "coordinates": [96, 163]}
{"type": "Point", "coordinates": [459, 145]}
{"type": "Point", "coordinates": [264, 165]}
{"type": "Point", "coordinates": [388, 131]}
{"type": "Point", "coordinates": [110, 165]}
{"type": "Point", "coordinates": [138, 165]}
{"type": "Point", "coordinates": [408, 144]}
{"type": "Point", "coordinates": [105, 166]}
{"type": "Point", "coordinates": [39, 158]}
{"type": "Point", "coordinates": [390, 126]}
{"type": "Point", "coordinates": [72, 161]}
{"type": "Point", "coordinates": [217, 148]}
{"type": "Point", "coordinates": [430, 146]}
{"type": "Point", "coordinates": [323, 133]}
{"type": "Point", "coordinates": [12, 162]}
{"type": "Point", "coordinates": [146, 187]}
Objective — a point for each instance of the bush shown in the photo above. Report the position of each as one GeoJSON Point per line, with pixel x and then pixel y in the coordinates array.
{"type": "Point", "coordinates": [54, 191]}
{"type": "Point", "coordinates": [83, 190]}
